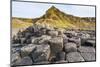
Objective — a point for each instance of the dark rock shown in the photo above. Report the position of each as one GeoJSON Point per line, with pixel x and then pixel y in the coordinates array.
{"type": "Point", "coordinates": [89, 56]}
{"type": "Point", "coordinates": [74, 57]}
{"type": "Point", "coordinates": [70, 47]}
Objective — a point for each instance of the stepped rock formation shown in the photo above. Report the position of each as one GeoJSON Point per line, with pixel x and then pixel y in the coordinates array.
{"type": "Point", "coordinates": [53, 38]}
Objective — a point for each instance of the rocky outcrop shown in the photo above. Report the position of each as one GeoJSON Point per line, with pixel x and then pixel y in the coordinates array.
{"type": "Point", "coordinates": [39, 45]}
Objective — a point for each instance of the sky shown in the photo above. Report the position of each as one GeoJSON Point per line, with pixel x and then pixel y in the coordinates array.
{"type": "Point", "coordinates": [34, 10]}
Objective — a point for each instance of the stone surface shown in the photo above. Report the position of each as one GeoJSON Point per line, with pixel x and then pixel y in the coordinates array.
{"type": "Point", "coordinates": [89, 56]}
{"type": "Point", "coordinates": [75, 40]}
{"type": "Point", "coordinates": [41, 53]}
{"type": "Point", "coordinates": [26, 50]}
{"type": "Point", "coordinates": [56, 44]}
{"type": "Point", "coordinates": [74, 57]}
{"type": "Point", "coordinates": [70, 47]}
{"type": "Point", "coordinates": [86, 49]}
{"type": "Point", "coordinates": [53, 33]}
{"type": "Point", "coordinates": [41, 40]}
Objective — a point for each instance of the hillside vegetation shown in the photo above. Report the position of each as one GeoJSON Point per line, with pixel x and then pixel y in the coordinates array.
{"type": "Point", "coordinates": [53, 17]}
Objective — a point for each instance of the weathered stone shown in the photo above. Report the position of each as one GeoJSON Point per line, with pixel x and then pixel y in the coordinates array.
{"type": "Point", "coordinates": [74, 57]}
{"type": "Point", "coordinates": [41, 53]}
{"type": "Point", "coordinates": [25, 61]}
{"type": "Point", "coordinates": [56, 44]}
{"type": "Point", "coordinates": [26, 50]}
{"type": "Point", "coordinates": [86, 49]}
{"type": "Point", "coordinates": [70, 47]}
{"type": "Point", "coordinates": [41, 40]}
{"type": "Point", "coordinates": [75, 40]}
{"type": "Point", "coordinates": [70, 33]}
{"type": "Point", "coordinates": [53, 33]}
{"type": "Point", "coordinates": [89, 56]}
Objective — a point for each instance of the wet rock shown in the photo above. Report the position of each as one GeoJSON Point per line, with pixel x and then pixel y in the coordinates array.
{"type": "Point", "coordinates": [74, 57]}
{"type": "Point", "coordinates": [89, 56]}
{"type": "Point", "coordinates": [70, 47]}
{"type": "Point", "coordinates": [26, 50]}
{"type": "Point", "coordinates": [56, 44]}
{"type": "Point", "coordinates": [41, 53]}
{"type": "Point", "coordinates": [86, 49]}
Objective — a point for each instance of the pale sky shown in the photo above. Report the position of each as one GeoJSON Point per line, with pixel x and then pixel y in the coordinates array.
{"type": "Point", "coordinates": [34, 10]}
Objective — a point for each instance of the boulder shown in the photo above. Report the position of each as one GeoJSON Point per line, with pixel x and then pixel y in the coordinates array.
{"type": "Point", "coordinates": [74, 57]}
{"type": "Point", "coordinates": [41, 53]}
{"type": "Point", "coordinates": [70, 47]}
{"type": "Point", "coordinates": [26, 50]}
{"type": "Point", "coordinates": [86, 49]}
{"type": "Point", "coordinates": [56, 44]}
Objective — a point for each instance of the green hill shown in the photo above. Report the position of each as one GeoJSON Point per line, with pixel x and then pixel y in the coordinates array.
{"type": "Point", "coordinates": [53, 17]}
